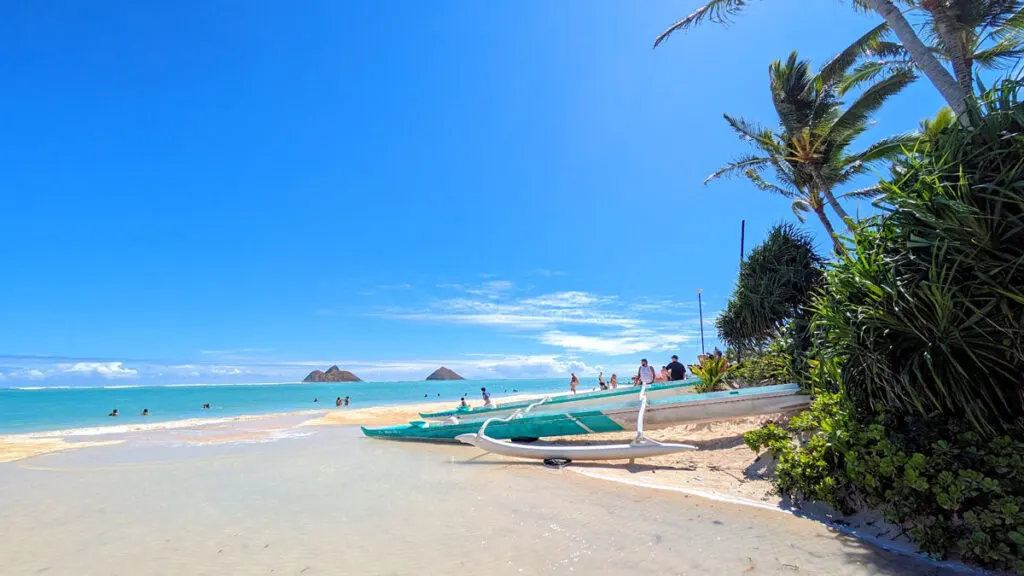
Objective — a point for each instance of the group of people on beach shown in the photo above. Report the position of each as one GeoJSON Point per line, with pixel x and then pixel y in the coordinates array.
{"type": "Point", "coordinates": [672, 371]}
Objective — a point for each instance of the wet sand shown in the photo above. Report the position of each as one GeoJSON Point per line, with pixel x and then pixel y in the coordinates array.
{"type": "Point", "coordinates": [328, 501]}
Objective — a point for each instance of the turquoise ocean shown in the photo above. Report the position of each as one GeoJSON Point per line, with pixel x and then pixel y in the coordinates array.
{"type": "Point", "coordinates": [62, 408]}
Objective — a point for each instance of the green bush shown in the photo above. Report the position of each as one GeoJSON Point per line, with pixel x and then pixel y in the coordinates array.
{"type": "Point", "coordinates": [712, 372]}
{"type": "Point", "coordinates": [925, 312]}
{"type": "Point", "coordinates": [950, 488]}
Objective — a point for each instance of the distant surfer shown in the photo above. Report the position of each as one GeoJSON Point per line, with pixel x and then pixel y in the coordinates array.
{"type": "Point", "coordinates": [114, 413]}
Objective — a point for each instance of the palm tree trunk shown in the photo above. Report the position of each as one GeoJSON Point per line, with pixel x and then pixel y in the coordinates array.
{"type": "Point", "coordinates": [820, 211]}
{"type": "Point", "coordinates": [954, 48]}
{"type": "Point", "coordinates": [922, 56]}
{"type": "Point", "coordinates": [826, 191]}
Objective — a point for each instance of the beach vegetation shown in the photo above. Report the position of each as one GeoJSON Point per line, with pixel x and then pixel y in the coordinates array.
{"type": "Point", "coordinates": [918, 349]}
{"type": "Point", "coordinates": [768, 310]}
{"type": "Point", "coordinates": [712, 372]}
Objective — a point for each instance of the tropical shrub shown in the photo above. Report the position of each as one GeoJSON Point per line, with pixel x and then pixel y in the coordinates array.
{"type": "Point", "coordinates": [772, 365]}
{"type": "Point", "coordinates": [926, 312]}
{"type": "Point", "coordinates": [771, 298]}
{"type": "Point", "coordinates": [711, 371]}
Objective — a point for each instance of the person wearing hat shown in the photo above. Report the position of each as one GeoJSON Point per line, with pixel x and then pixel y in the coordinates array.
{"type": "Point", "coordinates": [676, 371]}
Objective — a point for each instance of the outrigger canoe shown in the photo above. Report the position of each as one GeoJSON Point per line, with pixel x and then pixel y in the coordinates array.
{"type": "Point", "coordinates": [640, 447]}
{"type": "Point", "coordinates": [566, 402]}
{"type": "Point", "coordinates": [682, 409]}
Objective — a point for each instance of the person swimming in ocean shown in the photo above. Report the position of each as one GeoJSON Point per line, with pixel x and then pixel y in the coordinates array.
{"type": "Point", "coordinates": [145, 411]}
{"type": "Point", "coordinates": [337, 402]}
{"type": "Point", "coordinates": [316, 399]}
{"type": "Point", "coordinates": [114, 413]}
{"type": "Point", "coordinates": [206, 406]}
{"type": "Point", "coordinates": [346, 400]}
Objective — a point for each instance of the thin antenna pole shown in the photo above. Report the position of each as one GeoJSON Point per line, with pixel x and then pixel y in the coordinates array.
{"type": "Point", "coordinates": [743, 233]}
{"type": "Point", "coordinates": [700, 310]}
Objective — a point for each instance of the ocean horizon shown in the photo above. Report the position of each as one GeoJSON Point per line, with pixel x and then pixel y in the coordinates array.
{"type": "Point", "coordinates": [27, 409]}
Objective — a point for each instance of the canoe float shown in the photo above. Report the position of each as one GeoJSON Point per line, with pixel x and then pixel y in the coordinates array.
{"type": "Point", "coordinates": [615, 417]}
{"type": "Point", "coordinates": [567, 402]}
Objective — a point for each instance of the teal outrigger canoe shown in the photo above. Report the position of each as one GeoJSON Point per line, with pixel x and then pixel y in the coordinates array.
{"type": "Point", "coordinates": [686, 408]}
{"type": "Point", "coordinates": [568, 402]}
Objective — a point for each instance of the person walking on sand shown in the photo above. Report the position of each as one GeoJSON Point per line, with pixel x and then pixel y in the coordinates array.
{"type": "Point", "coordinates": [487, 398]}
{"type": "Point", "coordinates": [614, 382]}
{"type": "Point", "coordinates": [600, 381]}
{"type": "Point", "coordinates": [574, 382]}
{"type": "Point", "coordinates": [645, 375]}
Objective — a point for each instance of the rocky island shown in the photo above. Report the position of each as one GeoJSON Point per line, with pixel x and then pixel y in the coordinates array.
{"type": "Point", "coordinates": [333, 374]}
{"type": "Point", "coordinates": [443, 373]}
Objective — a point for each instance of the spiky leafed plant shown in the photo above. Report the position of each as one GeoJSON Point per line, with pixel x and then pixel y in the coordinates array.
{"type": "Point", "coordinates": [712, 372]}
{"type": "Point", "coordinates": [774, 287]}
{"type": "Point", "coordinates": [722, 11]}
{"type": "Point", "coordinates": [927, 319]}
{"type": "Point", "coordinates": [810, 155]}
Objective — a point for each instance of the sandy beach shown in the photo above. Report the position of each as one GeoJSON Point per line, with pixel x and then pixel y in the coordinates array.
{"type": "Point", "coordinates": [715, 478]}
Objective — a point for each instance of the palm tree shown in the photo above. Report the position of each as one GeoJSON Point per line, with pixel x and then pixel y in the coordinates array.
{"type": "Point", "coordinates": [969, 34]}
{"type": "Point", "coordinates": [810, 155]}
{"type": "Point", "coordinates": [722, 11]}
{"type": "Point", "coordinates": [772, 153]}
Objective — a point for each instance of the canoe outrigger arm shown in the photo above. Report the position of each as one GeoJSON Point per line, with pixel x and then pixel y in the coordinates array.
{"type": "Point", "coordinates": [517, 414]}
{"type": "Point", "coordinates": [640, 438]}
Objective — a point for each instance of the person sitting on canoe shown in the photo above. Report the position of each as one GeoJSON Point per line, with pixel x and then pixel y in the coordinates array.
{"type": "Point", "coordinates": [487, 398]}
{"type": "Point", "coordinates": [600, 381]}
{"type": "Point", "coordinates": [645, 375]}
{"type": "Point", "coordinates": [676, 370]}
{"type": "Point", "coordinates": [614, 382]}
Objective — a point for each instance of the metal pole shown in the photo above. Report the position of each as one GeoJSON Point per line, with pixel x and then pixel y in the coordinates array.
{"type": "Point", "coordinates": [743, 233]}
{"type": "Point", "coordinates": [700, 310]}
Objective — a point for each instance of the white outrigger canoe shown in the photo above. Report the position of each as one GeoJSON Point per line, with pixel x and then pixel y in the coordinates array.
{"type": "Point", "coordinates": [640, 447]}
{"type": "Point", "coordinates": [697, 408]}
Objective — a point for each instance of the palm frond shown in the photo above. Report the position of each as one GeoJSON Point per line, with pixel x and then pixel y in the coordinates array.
{"type": "Point", "coordinates": [786, 189]}
{"type": "Point", "coordinates": [855, 118]}
{"type": "Point", "coordinates": [741, 165]}
{"type": "Point", "coordinates": [868, 44]}
{"type": "Point", "coordinates": [716, 11]}
{"type": "Point", "coordinates": [750, 131]}
{"type": "Point", "coordinates": [869, 192]}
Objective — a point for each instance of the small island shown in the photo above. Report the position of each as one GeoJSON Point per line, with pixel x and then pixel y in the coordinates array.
{"type": "Point", "coordinates": [443, 373]}
{"type": "Point", "coordinates": [333, 374]}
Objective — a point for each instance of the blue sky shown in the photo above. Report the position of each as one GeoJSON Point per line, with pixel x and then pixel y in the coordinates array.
{"type": "Point", "coordinates": [245, 191]}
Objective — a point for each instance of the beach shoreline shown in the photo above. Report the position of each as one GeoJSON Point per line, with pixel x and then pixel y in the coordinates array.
{"type": "Point", "coordinates": [723, 469]}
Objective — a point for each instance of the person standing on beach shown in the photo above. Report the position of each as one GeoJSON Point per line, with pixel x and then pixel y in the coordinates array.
{"type": "Point", "coordinates": [614, 382]}
{"type": "Point", "coordinates": [645, 375]}
{"type": "Point", "coordinates": [487, 398]}
{"type": "Point", "coordinates": [676, 370]}
{"type": "Point", "coordinates": [600, 381]}
{"type": "Point", "coordinates": [573, 382]}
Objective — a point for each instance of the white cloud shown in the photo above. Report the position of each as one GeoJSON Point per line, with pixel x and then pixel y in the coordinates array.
{"type": "Point", "coordinates": [103, 369]}
{"type": "Point", "coordinates": [571, 299]}
{"type": "Point", "coordinates": [628, 342]}
{"type": "Point", "coordinates": [548, 273]}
